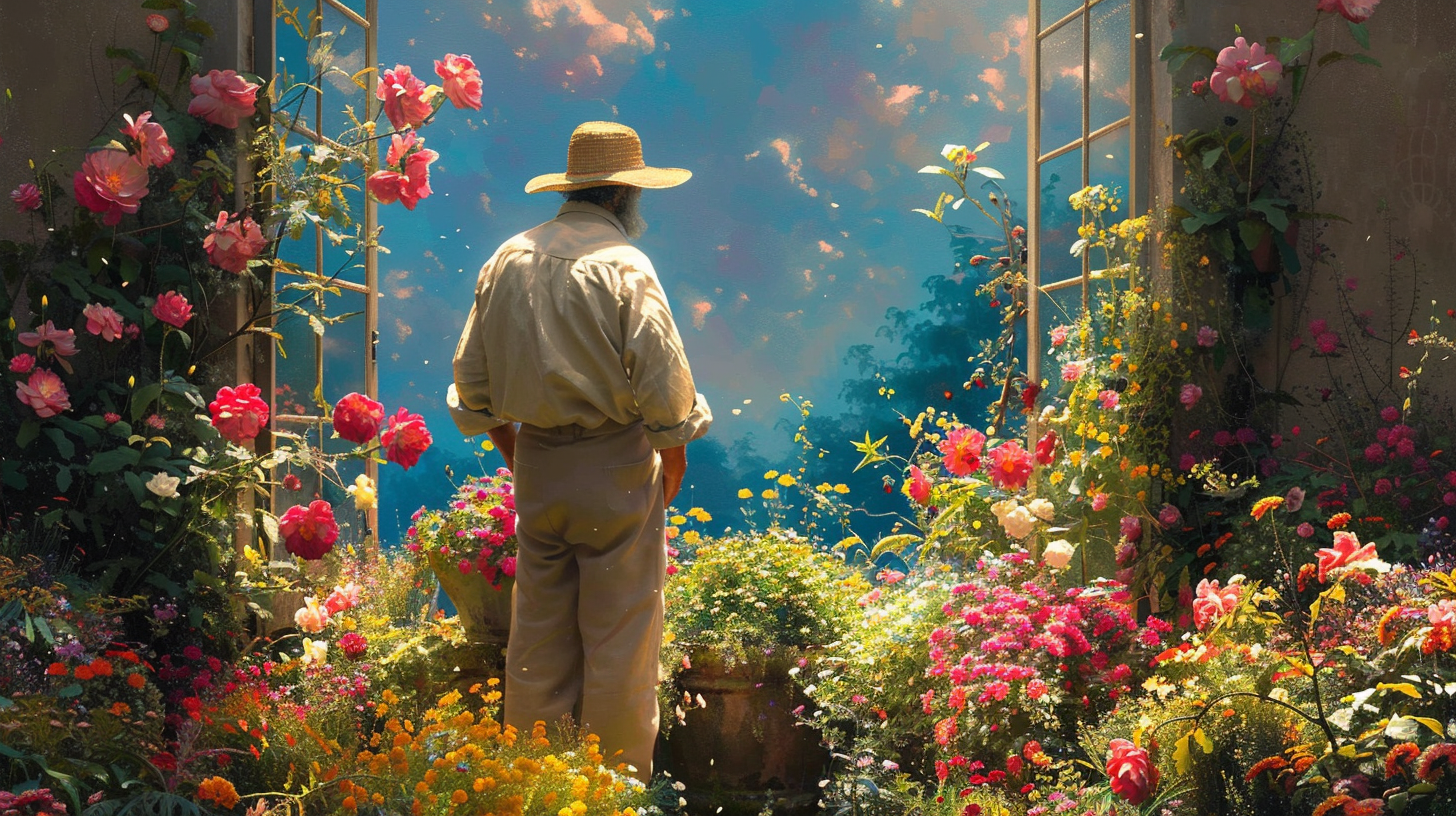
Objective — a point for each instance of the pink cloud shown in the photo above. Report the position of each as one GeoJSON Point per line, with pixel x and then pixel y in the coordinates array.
{"type": "Point", "coordinates": [607, 35]}
{"type": "Point", "coordinates": [994, 77]}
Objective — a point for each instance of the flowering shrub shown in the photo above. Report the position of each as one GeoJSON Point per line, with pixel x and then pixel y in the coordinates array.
{"type": "Point", "coordinates": [476, 534]}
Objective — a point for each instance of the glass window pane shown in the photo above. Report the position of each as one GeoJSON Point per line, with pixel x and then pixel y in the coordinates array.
{"type": "Point", "coordinates": [1110, 63]}
{"type": "Point", "coordinates": [1060, 177]}
{"type": "Point", "coordinates": [1111, 164]}
{"type": "Point", "coordinates": [1054, 10]}
{"type": "Point", "coordinates": [1061, 86]}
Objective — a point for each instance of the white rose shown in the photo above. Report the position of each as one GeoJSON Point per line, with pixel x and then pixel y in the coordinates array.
{"type": "Point", "coordinates": [1059, 554]}
{"type": "Point", "coordinates": [1042, 509]}
{"type": "Point", "coordinates": [164, 485]}
{"type": "Point", "coordinates": [1001, 508]}
{"type": "Point", "coordinates": [1019, 523]}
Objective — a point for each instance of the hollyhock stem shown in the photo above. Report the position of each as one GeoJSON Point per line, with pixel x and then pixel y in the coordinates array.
{"type": "Point", "coordinates": [1253, 143]}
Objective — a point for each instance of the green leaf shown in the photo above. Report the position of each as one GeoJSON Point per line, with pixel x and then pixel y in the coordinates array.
{"type": "Point", "coordinates": [1211, 157]}
{"type": "Point", "coordinates": [64, 446]}
{"type": "Point", "coordinates": [73, 690]}
{"type": "Point", "coordinates": [1299, 73]}
{"type": "Point", "coordinates": [988, 172]}
{"type": "Point", "coordinates": [114, 460]}
{"type": "Point", "coordinates": [1223, 243]}
{"type": "Point", "coordinates": [1333, 56]}
{"type": "Point", "coordinates": [29, 430]}
{"type": "Point", "coordinates": [63, 479]}
{"type": "Point", "coordinates": [870, 449]}
{"type": "Point", "coordinates": [1365, 59]}
{"type": "Point", "coordinates": [893, 544]}
{"type": "Point", "coordinates": [1272, 210]}
{"type": "Point", "coordinates": [138, 487]}
{"type": "Point", "coordinates": [1252, 232]}
{"type": "Point", "coordinates": [133, 57]}
{"type": "Point", "coordinates": [1200, 220]}
{"type": "Point", "coordinates": [1291, 50]}
{"type": "Point", "coordinates": [1361, 34]}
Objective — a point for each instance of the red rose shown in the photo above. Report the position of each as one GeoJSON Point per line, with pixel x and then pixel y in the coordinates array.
{"type": "Point", "coordinates": [1132, 772]}
{"type": "Point", "coordinates": [406, 438]}
{"type": "Point", "coordinates": [238, 413]}
{"type": "Point", "coordinates": [357, 418]}
{"type": "Point", "coordinates": [309, 532]}
{"type": "Point", "coordinates": [1046, 448]}
{"type": "Point", "coordinates": [354, 645]}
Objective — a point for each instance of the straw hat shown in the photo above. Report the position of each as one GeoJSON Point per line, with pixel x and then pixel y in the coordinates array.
{"type": "Point", "coordinates": [604, 153]}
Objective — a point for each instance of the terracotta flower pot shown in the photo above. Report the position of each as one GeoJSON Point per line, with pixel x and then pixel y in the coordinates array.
{"type": "Point", "coordinates": [485, 612]}
{"type": "Point", "coordinates": [745, 748]}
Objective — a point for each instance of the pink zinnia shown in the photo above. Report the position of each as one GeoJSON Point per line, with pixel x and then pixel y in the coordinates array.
{"type": "Point", "coordinates": [26, 198]}
{"type": "Point", "coordinates": [103, 321]}
{"type": "Point", "coordinates": [111, 182]}
{"type": "Point", "coordinates": [172, 309]}
{"type": "Point", "coordinates": [1356, 11]}
{"type": "Point", "coordinates": [403, 95]}
{"type": "Point", "coordinates": [152, 145]}
{"type": "Point", "coordinates": [63, 343]}
{"type": "Point", "coordinates": [1213, 603]}
{"type": "Point", "coordinates": [1245, 73]}
{"type": "Point", "coordinates": [44, 393]}
{"type": "Point", "coordinates": [223, 98]}
{"type": "Point", "coordinates": [460, 79]}
{"type": "Point", "coordinates": [1190, 395]}
{"type": "Point", "coordinates": [962, 451]}
{"type": "Point", "coordinates": [1009, 465]}
{"type": "Point", "coordinates": [405, 439]}
{"type": "Point", "coordinates": [232, 243]}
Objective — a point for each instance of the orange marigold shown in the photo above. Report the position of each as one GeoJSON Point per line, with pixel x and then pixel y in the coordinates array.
{"type": "Point", "coordinates": [83, 673]}
{"type": "Point", "coordinates": [136, 680]}
{"type": "Point", "coordinates": [219, 791]}
{"type": "Point", "coordinates": [1365, 807]}
{"type": "Point", "coordinates": [1383, 630]}
{"type": "Point", "coordinates": [1273, 763]}
{"type": "Point", "coordinates": [1327, 806]}
{"type": "Point", "coordinates": [100, 667]}
{"type": "Point", "coordinates": [1398, 757]}
{"type": "Point", "coordinates": [1338, 521]}
{"type": "Point", "coordinates": [1264, 505]}
{"type": "Point", "coordinates": [58, 670]}
{"type": "Point", "coordinates": [1302, 764]}
{"type": "Point", "coordinates": [1438, 639]}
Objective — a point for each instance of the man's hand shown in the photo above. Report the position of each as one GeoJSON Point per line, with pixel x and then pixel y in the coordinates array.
{"type": "Point", "coordinates": [674, 466]}
{"type": "Point", "coordinates": [504, 438]}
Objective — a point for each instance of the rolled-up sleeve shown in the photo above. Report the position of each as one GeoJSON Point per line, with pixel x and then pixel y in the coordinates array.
{"type": "Point", "coordinates": [469, 396]}
{"type": "Point", "coordinates": [673, 412]}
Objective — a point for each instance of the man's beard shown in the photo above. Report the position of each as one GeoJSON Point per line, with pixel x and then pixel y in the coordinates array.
{"type": "Point", "coordinates": [628, 212]}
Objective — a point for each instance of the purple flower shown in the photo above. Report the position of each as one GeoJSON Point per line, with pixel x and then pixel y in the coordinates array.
{"type": "Point", "coordinates": [71, 649]}
{"type": "Point", "coordinates": [1246, 436]}
{"type": "Point", "coordinates": [1169, 516]}
{"type": "Point", "coordinates": [1207, 336]}
{"type": "Point", "coordinates": [1190, 395]}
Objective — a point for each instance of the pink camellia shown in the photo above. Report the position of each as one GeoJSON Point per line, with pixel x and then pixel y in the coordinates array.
{"type": "Point", "coordinates": [1356, 11]}
{"type": "Point", "coordinates": [1190, 395]}
{"type": "Point", "coordinates": [962, 451]}
{"type": "Point", "coordinates": [309, 532]}
{"type": "Point", "coordinates": [918, 486]}
{"type": "Point", "coordinates": [1009, 465]}
{"type": "Point", "coordinates": [103, 321]}
{"type": "Point", "coordinates": [1347, 552]}
{"type": "Point", "coordinates": [405, 439]}
{"type": "Point", "coordinates": [1212, 603]}
{"type": "Point", "coordinates": [21, 364]}
{"type": "Point", "coordinates": [152, 145]}
{"type": "Point", "coordinates": [461, 80]}
{"type": "Point", "coordinates": [407, 100]}
{"type": "Point", "coordinates": [1245, 74]}
{"type": "Point", "coordinates": [26, 198]}
{"type": "Point", "coordinates": [111, 182]}
{"type": "Point", "coordinates": [172, 309]}
{"type": "Point", "coordinates": [239, 414]}
{"type": "Point", "coordinates": [357, 418]}
{"type": "Point", "coordinates": [158, 23]}
{"type": "Point", "coordinates": [411, 181]}
{"type": "Point", "coordinates": [1131, 771]}
{"type": "Point", "coordinates": [233, 241]}
{"type": "Point", "coordinates": [343, 598]}
{"type": "Point", "coordinates": [223, 98]}
{"type": "Point", "coordinates": [63, 343]}
{"type": "Point", "coordinates": [44, 393]}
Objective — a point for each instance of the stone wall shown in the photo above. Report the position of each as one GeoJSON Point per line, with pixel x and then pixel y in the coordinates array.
{"type": "Point", "coordinates": [1384, 155]}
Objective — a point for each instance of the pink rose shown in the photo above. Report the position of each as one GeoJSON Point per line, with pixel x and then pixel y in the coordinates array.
{"type": "Point", "coordinates": [223, 98]}
{"type": "Point", "coordinates": [962, 451]}
{"type": "Point", "coordinates": [405, 439]}
{"type": "Point", "coordinates": [1059, 335]}
{"type": "Point", "coordinates": [111, 182]}
{"type": "Point", "coordinates": [63, 343]}
{"type": "Point", "coordinates": [1073, 371]}
{"type": "Point", "coordinates": [311, 618]}
{"type": "Point", "coordinates": [21, 364]}
{"type": "Point", "coordinates": [44, 393]}
{"type": "Point", "coordinates": [918, 486]}
{"type": "Point", "coordinates": [1305, 530]}
{"type": "Point", "coordinates": [1099, 501]}
{"type": "Point", "coordinates": [411, 182]}
{"type": "Point", "coordinates": [405, 98]}
{"type": "Point", "coordinates": [309, 532]}
{"type": "Point", "coordinates": [152, 145]}
{"type": "Point", "coordinates": [1131, 771]}
{"type": "Point", "coordinates": [1346, 552]}
{"type": "Point", "coordinates": [1356, 11]}
{"type": "Point", "coordinates": [103, 321]}
{"type": "Point", "coordinates": [1009, 465]}
{"type": "Point", "coordinates": [357, 418]}
{"type": "Point", "coordinates": [238, 413]}
{"type": "Point", "coordinates": [1190, 395]}
{"type": "Point", "coordinates": [1213, 603]}
{"type": "Point", "coordinates": [1169, 516]}
{"type": "Point", "coordinates": [26, 198]}
{"type": "Point", "coordinates": [461, 80]}
{"type": "Point", "coordinates": [343, 598]}
{"type": "Point", "coordinates": [232, 243]}
{"type": "Point", "coordinates": [1131, 528]}
{"type": "Point", "coordinates": [1109, 399]}
{"type": "Point", "coordinates": [172, 309]}
{"type": "Point", "coordinates": [1245, 73]}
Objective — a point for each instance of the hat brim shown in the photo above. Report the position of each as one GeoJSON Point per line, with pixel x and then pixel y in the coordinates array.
{"type": "Point", "coordinates": [652, 178]}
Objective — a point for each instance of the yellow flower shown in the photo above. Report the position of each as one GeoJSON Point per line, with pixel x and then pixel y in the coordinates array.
{"type": "Point", "coordinates": [1264, 505]}
{"type": "Point", "coordinates": [365, 496]}
{"type": "Point", "coordinates": [786, 480]}
{"type": "Point", "coordinates": [841, 488]}
{"type": "Point", "coordinates": [678, 520]}
{"type": "Point", "coordinates": [772, 474]}
{"type": "Point", "coordinates": [745, 493]}
{"type": "Point", "coordinates": [770, 494]}
{"type": "Point", "coordinates": [692, 537]}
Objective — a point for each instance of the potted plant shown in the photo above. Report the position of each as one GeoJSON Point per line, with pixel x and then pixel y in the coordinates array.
{"type": "Point", "coordinates": [471, 546]}
{"type": "Point", "coordinates": [742, 613]}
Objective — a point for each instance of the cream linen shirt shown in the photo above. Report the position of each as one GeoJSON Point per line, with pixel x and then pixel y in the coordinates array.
{"type": "Point", "coordinates": [571, 327]}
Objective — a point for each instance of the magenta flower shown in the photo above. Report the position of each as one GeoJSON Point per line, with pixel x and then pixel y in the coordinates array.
{"type": "Point", "coordinates": [1327, 343]}
{"type": "Point", "coordinates": [1305, 530]}
{"type": "Point", "coordinates": [223, 98]}
{"type": "Point", "coordinates": [1356, 11]}
{"type": "Point", "coordinates": [406, 439]}
{"type": "Point", "coordinates": [63, 343]}
{"type": "Point", "coordinates": [239, 414]}
{"type": "Point", "coordinates": [1131, 770]}
{"type": "Point", "coordinates": [172, 309]}
{"type": "Point", "coordinates": [1187, 461]}
{"type": "Point", "coordinates": [407, 101]}
{"type": "Point", "coordinates": [1099, 501]}
{"type": "Point", "coordinates": [152, 145]}
{"type": "Point", "coordinates": [44, 393]}
{"type": "Point", "coordinates": [26, 198]}
{"type": "Point", "coordinates": [232, 243]}
{"type": "Point", "coordinates": [1207, 336]}
{"type": "Point", "coordinates": [1190, 395]}
{"type": "Point", "coordinates": [1390, 413]}
{"type": "Point", "coordinates": [1245, 74]}
{"type": "Point", "coordinates": [461, 80]}
{"type": "Point", "coordinates": [1131, 528]}
{"type": "Point", "coordinates": [1169, 516]}
{"type": "Point", "coordinates": [110, 182]}
{"type": "Point", "coordinates": [103, 321]}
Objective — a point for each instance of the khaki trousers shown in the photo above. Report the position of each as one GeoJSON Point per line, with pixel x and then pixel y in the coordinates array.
{"type": "Point", "coordinates": [586, 626]}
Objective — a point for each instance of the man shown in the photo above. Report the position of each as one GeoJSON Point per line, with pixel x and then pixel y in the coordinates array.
{"type": "Point", "coordinates": [571, 337]}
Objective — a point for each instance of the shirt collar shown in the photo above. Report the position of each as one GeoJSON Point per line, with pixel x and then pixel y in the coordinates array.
{"type": "Point", "coordinates": [592, 209]}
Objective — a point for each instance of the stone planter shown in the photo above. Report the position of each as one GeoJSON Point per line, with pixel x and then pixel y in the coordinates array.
{"type": "Point", "coordinates": [745, 748]}
{"type": "Point", "coordinates": [485, 612]}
